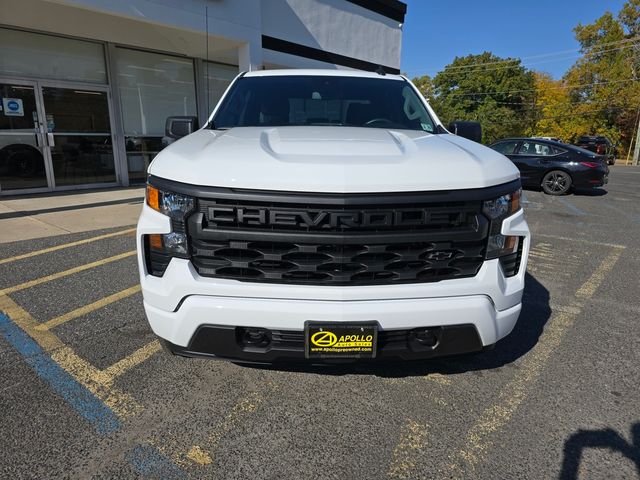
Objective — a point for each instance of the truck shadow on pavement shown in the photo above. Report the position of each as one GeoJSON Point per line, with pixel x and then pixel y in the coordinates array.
{"type": "Point", "coordinates": [536, 311]}
{"type": "Point", "coordinates": [606, 438]}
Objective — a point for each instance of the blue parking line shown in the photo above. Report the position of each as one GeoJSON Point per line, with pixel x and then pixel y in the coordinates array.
{"type": "Point", "coordinates": [76, 395]}
{"type": "Point", "coordinates": [149, 462]}
{"type": "Point", "coordinates": [572, 207]}
{"type": "Point", "coordinates": [634, 217]}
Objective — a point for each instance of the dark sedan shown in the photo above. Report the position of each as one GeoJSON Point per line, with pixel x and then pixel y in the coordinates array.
{"type": "Point", "coordinates": [554, 166]}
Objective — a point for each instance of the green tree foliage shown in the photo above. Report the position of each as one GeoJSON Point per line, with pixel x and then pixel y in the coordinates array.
{"type": "Point", "coordinates": [604, 83]}
{"type": "Point", "coordinates": [485, 88]}
{"type": "Point", "coordinates": [600, 93]}
{"type": "Point", "coordinates": [425, 85]}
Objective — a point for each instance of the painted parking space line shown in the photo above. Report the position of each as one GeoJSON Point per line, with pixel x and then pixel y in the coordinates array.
{"type": "Point", "coordinates": [572, 208]}
{"type": "Point", "coordinates": [438, 378]}
{"type": "Point", "coordinates": [478, 441]}
{"type": "Point", "coordinates": [634, 217]}
{"type": "Point", "coordinates": [66, 245]}
{"type": "Point", "coordinates": [148, 462]}
{"type": "Point", "coordinates": [581, 240]}
{"type": "Point", "coordinates": [83, 401]}
{"type": "Point", "coordinates": [65, 273]}
{"type": "Point", "coordinates": [244, 408]}
{"type": "Point", "coordinates": [131, 361]}
{"type": "Point", "coordinates": [413, 440]}
{"type": "Point", "coordinates": [78, 312]}
{"type": "Point", "coordinates": [204, 453]}
{"type": "Point", "coordinates": [93, 379]}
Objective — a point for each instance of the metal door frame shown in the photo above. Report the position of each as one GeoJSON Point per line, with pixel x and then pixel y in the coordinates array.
{"type": "Point", "coordinates": [40, 138]}
{"type": "Point", "coordinates": [43, 137]}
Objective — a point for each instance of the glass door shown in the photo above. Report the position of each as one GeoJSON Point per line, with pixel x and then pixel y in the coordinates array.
{"type": "Point", "coordinates": [23, 157]}
{"type": "Point", "coordinates": [78, 134]}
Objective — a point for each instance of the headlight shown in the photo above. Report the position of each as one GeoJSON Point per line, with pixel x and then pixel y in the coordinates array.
{"type": "Point", "coordinates": [170, 204]}
{"type": "Point", "coordinates": [160, 248]}
{"type": "Point", "coordinates": [497, 210]}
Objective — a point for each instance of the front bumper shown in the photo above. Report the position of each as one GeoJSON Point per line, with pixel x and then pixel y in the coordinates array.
{"type": "Point", "coordinates": [474, 312]}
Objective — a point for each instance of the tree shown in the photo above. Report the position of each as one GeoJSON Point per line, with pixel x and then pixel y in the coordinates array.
{"type": "Point", "coordinates": [604, 82]}
{"type": "Point", "coordinates": [558, 114]}
{"type": "Point", "coordinates": [425, 85]}
{"type": "Point", "coordinates": [494, 91]}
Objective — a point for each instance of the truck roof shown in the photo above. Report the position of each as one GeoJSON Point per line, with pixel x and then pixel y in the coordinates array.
{"type": "Point", "coordinates": [325, 72]}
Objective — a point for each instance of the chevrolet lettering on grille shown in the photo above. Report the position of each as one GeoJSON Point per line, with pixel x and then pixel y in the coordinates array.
{"type": "Point", "coordinates": [323, 219]}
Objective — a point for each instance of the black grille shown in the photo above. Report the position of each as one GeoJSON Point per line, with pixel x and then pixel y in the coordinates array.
{"type": "Point", "coordinates": [337, 244]}
{"type": "Point", "coordinates": [330, 264]}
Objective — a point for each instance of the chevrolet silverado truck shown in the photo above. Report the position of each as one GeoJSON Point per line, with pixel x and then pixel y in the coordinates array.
{"type": "Point", "coordinates": [327, 217]}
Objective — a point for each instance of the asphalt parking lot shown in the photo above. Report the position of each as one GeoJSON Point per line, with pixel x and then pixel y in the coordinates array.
{"type": "Point", "coordinates": [85, 390]}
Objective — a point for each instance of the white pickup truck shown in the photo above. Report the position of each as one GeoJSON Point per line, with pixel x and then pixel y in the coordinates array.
{"type": "Point", "coordinates": [328, 216]}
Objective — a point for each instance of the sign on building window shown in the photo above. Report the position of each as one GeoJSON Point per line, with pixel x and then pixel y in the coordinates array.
{"type": "Point", "coordinates": [13, 107]}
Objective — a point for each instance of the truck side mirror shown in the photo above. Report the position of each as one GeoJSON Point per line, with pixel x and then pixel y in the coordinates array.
{"type": "Point", "coordinates": [178, 127]}
{"type": "Point", "coordinates": [469, 130]}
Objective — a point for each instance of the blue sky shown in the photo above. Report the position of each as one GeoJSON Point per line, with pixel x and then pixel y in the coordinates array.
{"type": "Point", "coordinates": [437, 31]}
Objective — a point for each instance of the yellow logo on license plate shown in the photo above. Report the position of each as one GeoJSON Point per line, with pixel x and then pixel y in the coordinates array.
{"type": "Point", "coordinates": [326, 341]}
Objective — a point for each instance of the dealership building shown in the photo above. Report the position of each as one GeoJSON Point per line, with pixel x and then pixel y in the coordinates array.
{"type": "Point", "coordinates": [86, 85]}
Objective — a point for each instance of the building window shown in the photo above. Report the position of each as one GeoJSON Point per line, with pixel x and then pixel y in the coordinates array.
{"type": "Point", "coordinates": [26, 54]}
{"type": "Point", "coordinates": [219, 77]}
{"type": "Point", "coordinates": [152, 87]}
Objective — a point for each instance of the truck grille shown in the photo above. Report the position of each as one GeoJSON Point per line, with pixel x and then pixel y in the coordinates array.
{"type": "Point", "coordinates": [337, 241]}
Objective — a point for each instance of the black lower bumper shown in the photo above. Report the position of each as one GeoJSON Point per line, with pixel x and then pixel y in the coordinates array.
{"type": "Point", "coordinates": [225, 342]}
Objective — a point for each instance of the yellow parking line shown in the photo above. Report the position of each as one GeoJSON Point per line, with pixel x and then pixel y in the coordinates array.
{"type": "Point", "coordinates": [78, 312]}
{"type": "Point", "coordinates": [413, 439]}
{"type": "Point", "coordinates": [478, 440]}
{"type": "Point", "coordinates": [71, 271]}
{"type": "Point", "coordinates": [244, 408]}
{"type": "Point", "coordinates": [582, 240]}
{"type": "Point", "coordinates": [131, 361]}
{"type": "Point", "coordinates": [199, 456]}
{"type": "Point", "coordinates": [82, 371]}
{"type": "Point", "coordinates": [65, 245]}
{"type": "Point", "coordinates": [438, 378]}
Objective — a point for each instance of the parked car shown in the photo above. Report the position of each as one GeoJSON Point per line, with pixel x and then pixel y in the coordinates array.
{"type": "Point", "coordinates": [328, 216]}
{"type": "Point", "coordinates": [555, 139]}
{"type": "Point", "coordinates": [599, 145]}
{"type": "Point", "coordinates": [553, 166]}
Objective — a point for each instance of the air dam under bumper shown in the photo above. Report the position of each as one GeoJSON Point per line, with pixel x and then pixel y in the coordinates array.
{"type": "Point", "coordinates": [467, 324]}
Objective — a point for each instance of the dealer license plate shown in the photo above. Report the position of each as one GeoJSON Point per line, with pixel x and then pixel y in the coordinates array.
{"type": "Point", "coordinates": [331, 340]}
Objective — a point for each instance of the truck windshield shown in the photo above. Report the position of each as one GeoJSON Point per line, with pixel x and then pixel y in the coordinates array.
{"type": "Point", "coordinates": [296, 100]}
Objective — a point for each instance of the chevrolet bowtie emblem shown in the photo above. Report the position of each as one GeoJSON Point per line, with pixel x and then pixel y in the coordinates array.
{"type": "Point", "coordinates": [440, 255]}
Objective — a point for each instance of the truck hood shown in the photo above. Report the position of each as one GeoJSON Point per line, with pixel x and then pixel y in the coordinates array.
{"type": "Point", "coordinates": [331, 159]}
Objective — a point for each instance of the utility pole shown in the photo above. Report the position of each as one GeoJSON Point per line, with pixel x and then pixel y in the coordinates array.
{"type": "Point", "coordinates": [636, 151]}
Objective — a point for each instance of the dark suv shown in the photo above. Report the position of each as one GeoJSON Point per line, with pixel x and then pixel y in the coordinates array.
{"type": "Point", "coordinates": [599, 145]}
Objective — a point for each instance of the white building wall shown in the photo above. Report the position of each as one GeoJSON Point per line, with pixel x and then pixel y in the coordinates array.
{"type": "Point", "coordinates": [235, 27]}
{"type": "Point", "coordinates": [334, 26]}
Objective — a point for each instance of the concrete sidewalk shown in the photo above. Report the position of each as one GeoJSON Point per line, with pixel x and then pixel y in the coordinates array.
{"type": "Point", "coordinates": [44, 215]}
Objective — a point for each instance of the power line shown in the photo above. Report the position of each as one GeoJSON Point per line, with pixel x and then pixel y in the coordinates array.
{"type": "Point", "coordinates": [527, 64]}
{"type": "Point", "coordinates": [561, 52]}
{"type": "Point", "coordinates": [448, 94]}
{"type": "Point", "coordinates": [532, 103]}
{"type": "Point", "coordinates": [478, 67]}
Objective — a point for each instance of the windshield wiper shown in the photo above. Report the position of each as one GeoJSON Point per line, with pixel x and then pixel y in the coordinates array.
{"type": "Point", "coordinates": [212, 126]}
